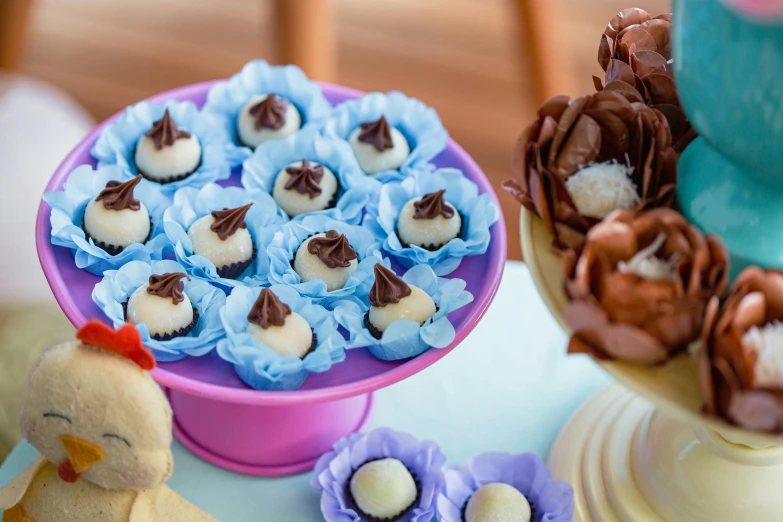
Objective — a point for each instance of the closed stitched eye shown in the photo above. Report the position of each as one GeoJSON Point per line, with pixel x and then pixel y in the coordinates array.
{"type": "Point", "coordinates": [118, 437]}
{"type": "Point", "coordinates": [57, 415]}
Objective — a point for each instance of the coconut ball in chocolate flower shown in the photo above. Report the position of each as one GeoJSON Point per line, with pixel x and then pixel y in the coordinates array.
{"type": "Point", "coordinates": [585, 158]}
{"type": "Point", "coordinates": [115, 219]}
{"type": "Point", "coordinates": [305, 186]}
{"type": "Point", "coordinates": [272, 323]}
{"type": "Point", "coordinates": [639, 286]}
{"type": "Point", "coordinates": [162, 306]}
{"type": "Point", "coordinates": [498, 502]}
{"type": "Point", "coordinates": [392, 299]}
{"type": "Point", "coordinates": [222, 237]}
{"type": "Point", "coordinates": [741, 357]}
{"type": "Point", "coordinates": [378, 146]}
{"type": "Point", "coordinates": [383, 489]}
{"type": "Point", "coordinates": [267, 117]}
{"type": "Point", "coordinates": [327, 256]}
{"type": "Point", "coordinates": [428, 221]}
{"type": "Point", "coordinates": [166, 152]}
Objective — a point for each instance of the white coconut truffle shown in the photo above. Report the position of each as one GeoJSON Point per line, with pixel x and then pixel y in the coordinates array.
{"type": "Point", "coordinates": [498, 502]}
{"type": "Point", "coordinates": [236, 248]}
{"type": "Point", "coordinates": [418, 306]}
{"type": "Point", "coordinates": [252, 137]}
{"type": "Point", "coordinates": [309, 267]}
{"type": "Point", "coordinates": [119, 228]}
{"type": "Point", "coordinates": [159, 314]}
{"type": "Point", "coordinates": [383, 488]}
{"type": "Point", "coordinates": [373, 161]}
{"type": "Point", "coordinates": [177, 160]}
{"type": "Point", "coordinates": [766, 342]}
{"type": "Point", "coordinates": [427, 232]}
{"type": "Point", "coordinates": [601, 188]}
{"type": "Point", "coordinates": [295, 337]}
{"type": "Point", "coordinates": [646, 264]}
{"type": "Point", "coordinates": [294, 202]}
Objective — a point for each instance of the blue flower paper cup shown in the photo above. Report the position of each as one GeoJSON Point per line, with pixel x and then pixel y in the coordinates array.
{"type": "Point", "coordinates": [420, 125]}
{"type": "Point", "coordinates": [261, 367]}
{"type": "Point", "coordinates": [67, 218]}
{"type": "Point", "coordinates": [191, 204]}
{"type": "Point", "coordinates": [118, 285]}
{"type": "Point", "coordinates": [226, 99]}
{"type": "Point", "coordinates": [261, 169]}
{"type": "Point", "coordinates": [291, 235]}
{"type": "Point", "coordinates": [334, 470]}
{"type": "Point", "coordinates": [116, 144]}
{"type": "Point", "coordinates": [552, 501]}
{"type": "Point", "coordinates": [404, 338]}
{"type": "Point", "coordinates": [477, 211]}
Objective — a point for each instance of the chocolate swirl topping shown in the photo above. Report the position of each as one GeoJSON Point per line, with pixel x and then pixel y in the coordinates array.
{"type": "Point", "coordinates": [387, 288]}
{"type": "Point", "coordinates": [168, 285]}
{"type": "Point", "coordinates": [268, 310]}
{"type": "Point", "coordinates": [333, 250]}
{"type": "Point", "coordinates": [229, 220]}
{"type": "Point", "coordinates": [269, 113]}
{"type": "Point", "coordinates": [119, 196]}
{"type": "Point", "coordinates": [305, 179]}
{"type": "Point", "coordinates": [432, 205]}
{"type": "Point", "coordinates": [378, 133]}
{"type": "Point", "coordinates": [164, 132]}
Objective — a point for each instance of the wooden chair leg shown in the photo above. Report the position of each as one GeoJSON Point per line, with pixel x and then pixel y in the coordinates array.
{"type": "Point", "coordinates": [14, 21]}
{"type": "Point", "coordinates": [306, 36]}
{"type": "Point", "coordinates": [547, 66]}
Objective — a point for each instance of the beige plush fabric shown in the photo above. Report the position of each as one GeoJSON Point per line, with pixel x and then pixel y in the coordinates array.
{"type": "Point", "coordinates": [25, 332]}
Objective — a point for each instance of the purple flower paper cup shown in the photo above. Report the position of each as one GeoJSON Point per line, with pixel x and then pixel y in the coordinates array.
{"type": "Point", "coordinates": [335, 469]}
{"type": "Point", "coordinates": [551, 500]}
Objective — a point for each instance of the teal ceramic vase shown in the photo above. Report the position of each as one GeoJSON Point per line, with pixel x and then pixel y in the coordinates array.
{"type": "Point", "coordinates": [729, 73]}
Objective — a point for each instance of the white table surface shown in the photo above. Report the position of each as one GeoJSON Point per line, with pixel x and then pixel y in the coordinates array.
{"type": "Point", "coordinates": [508, 387]}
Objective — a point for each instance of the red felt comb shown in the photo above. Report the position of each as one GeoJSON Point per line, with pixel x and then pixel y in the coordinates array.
{"type": "Point", "coordinates": [125, 342]}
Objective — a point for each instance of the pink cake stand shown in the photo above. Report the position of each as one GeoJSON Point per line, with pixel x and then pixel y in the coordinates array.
{"type": "Point", "coordinates": [216, 415]}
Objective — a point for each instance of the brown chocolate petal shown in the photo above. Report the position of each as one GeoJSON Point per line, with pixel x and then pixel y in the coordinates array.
{"type": "Point", "coordinates": [615, 137]}
{"type": "Point", "coordinates": [625, 89]}
{"type": "Point", "coordinates": [664, 16]}
{"type": "Point", "coordinates": [661, 89]}
{"type": "Point", "coordinates": [598, 84]}
{"type": "Point", "coordinates": [626, 343]}
{"type": "Point", "coordinates": [660, 30]}
{"type": "Point", "coordinates": [564, 125]}
{"type": "Point", "coordinates": [624, 19]}
{"type": "Point", "coordinates": [638, 39]}
{"type": "Point", "coordinates": [580, 148]}
{"type": "Point", "coordinates": [554, 107]}
{"type": "Point", "coordinates": [605, 51]}
{"type": "Point", "coordinates": [675, 117]}
{"type": "Point", "coordinates": [755, 410]}
{"type": "Point", "coordinates": [647, 62]}
{"type": "Point", "coordinates": [706, 383]}
{"type": "Point", "coordinates": [619, 71]}
{"type": "Point", "coordinates": [751, 311]}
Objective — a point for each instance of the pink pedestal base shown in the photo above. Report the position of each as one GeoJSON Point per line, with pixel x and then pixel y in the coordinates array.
{"type": "Point", "coordinates": [265, 441]}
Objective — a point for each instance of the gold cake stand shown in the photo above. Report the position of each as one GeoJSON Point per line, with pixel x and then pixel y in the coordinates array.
{"type": "Point", "coordinates": [642, 450]}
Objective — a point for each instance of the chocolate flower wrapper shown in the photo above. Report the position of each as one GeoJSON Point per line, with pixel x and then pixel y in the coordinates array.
{"type": "Point", "coordinates": [334, 470]}
{"type": "Point", "coordinates": [478, 213]}
{"type": "Point", "coordinates": [191, 204]}
{"type": "Point", "coordinates": [419, 123]}
{"type": "Point", "coordinates": [261, 367]}
{"type": "Point", "coordinates": [405, 338]}
{"type": "Point", "coordinates": [261, 169]}
{"type": "Point", "coordinates": [117, 143]}
{"type": "Point", "coordinates": [291, 235]}
{"type": "Point", "coordinates": [118, 285]}
{"type": "Point", "coordinates": [226, 99]}
{"type": "Point", "coordinates": [67, 217]}
{"type": "Point", "coordinates": [552, 500]}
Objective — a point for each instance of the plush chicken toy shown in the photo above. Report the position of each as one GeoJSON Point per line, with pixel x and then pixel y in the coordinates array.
{"type": "Point", "coordinates": [103, 428]}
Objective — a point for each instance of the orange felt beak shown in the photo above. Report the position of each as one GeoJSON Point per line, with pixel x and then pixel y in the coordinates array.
{"type": "Point", "coordinates": [82, 454]}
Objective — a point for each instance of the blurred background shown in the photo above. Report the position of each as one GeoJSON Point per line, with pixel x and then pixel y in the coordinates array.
{"type": "Point", "coordinates": [484, 65]}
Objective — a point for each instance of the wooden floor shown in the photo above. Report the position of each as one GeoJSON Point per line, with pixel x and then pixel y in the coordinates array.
{"type": "Point", "coordinates": [459, 56]}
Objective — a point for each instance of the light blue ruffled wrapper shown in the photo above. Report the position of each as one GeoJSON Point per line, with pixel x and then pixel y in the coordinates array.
{"type": "Point", "coordinates": [553, 500]}
{"type": "Point", "coordinates": [67, 216]}
{"type": "Point", "coordinates": [118, 285]}
{"type": "Point", "coordinates": [117, 143]}
{"type": "Point", "coordinates": [404, 338]}
{"type": "Point", "coordinates": [478, 213]}
{"type": "Point", "coordinates": [226, 99]}
{"type": "Point", "coordinates": [261, 169]}
{"type": "Point", "coordinates": [260, 366]}
{"type": "Point", "coordinates": [191, 204]}
{"type": "Point", "coordinates": [334, 470]}
{"type": "Point", "coordinates": [291, 235]}
{"type": "Point", "coordinates": [419, 123]}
